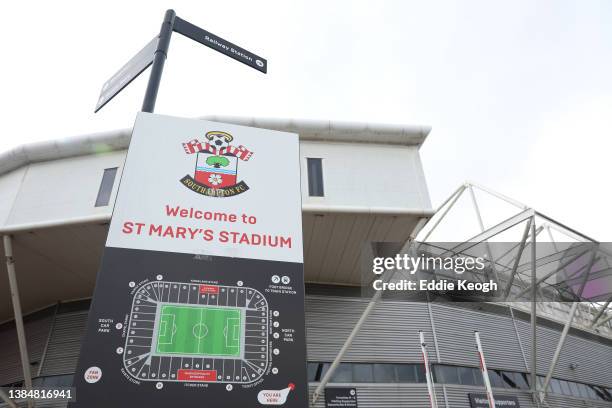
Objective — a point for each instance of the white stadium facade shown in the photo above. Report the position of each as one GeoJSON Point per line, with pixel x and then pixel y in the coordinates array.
{"type": "Point", "coordinates": [56, 202]}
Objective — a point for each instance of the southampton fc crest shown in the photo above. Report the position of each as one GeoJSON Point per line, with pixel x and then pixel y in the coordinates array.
{"type": "Point", "coordinates": [216, 165]}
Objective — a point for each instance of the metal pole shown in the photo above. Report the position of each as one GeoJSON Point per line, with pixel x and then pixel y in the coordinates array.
{"type": "Point", "coordinates": [600, 312]}
{"type": "Point", "coordinates": [602, 322]}
{"type": "Point", "coordinates": [430, 387]}
{"type": "Point", "coordinates": [549, 274]}
{"type": "Point", "coordinates": [44, 354]}
{"type": "Point", "coordinates": [518, 338]}
{"type": "Point", "coordinates": [555, 358]}
{"type": "Point", "coordinates": [534, 325]}
{"type": "Point", "coordinates": [482, 229]}
{"type": "Point", "coordinates": [499, 195]}
{"type": "Point", "coordinates": [483, 370]}
{"type": "Point", "coordinates": [349, 340]}
{"type": "Point", "coordinates": [433, 328]}
{"type": "Point", "coordinates": [452, 199]}
{"type": "Point", "coordinates": [317, 392]}
{"type": "Point", "coordinates": [21, 338]}
{"type": "Point", "coordinates": [6, 399]}
{"type": "Point", "coordinates": [517, 260]}
{"type": "Point", "coordinates": [148, 105]}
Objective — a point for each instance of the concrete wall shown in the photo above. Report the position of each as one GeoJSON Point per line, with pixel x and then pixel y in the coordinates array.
{"type": "Point", "coordinates": [56, 190]}
{"type": "Point", "coordinates": [355, 175]}
{"type": "Point", "coordinates": [369, 175]}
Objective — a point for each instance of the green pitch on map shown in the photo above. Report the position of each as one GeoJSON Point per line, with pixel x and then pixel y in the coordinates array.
{"type": "Point", "coordinates": [199, 330]}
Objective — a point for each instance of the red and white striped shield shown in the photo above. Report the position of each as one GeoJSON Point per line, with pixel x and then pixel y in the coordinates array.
{"type": "Point", "coordinates": [216, 171]}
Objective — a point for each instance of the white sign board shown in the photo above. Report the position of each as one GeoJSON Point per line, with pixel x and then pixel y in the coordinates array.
{"type": "Point", "coordinates": [207, 188]}
{"type": "Point", "coordinates": [200, 294]}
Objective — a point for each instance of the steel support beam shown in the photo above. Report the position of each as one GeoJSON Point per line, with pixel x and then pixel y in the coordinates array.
{"type": "Point", "coordinates": [535, 283]}
{"type": "Point", "coordinates": [515, 246]}
{"type": "Point", "coordinates": [349, 340]}
{"type": "Point", "coordinates": [555, 358]}
{"type": "Point", "coordinates": [587, 273]}
{"type": "Point", "coordinates": [568, 325]}
{"type": "Point", "coordinates": [579, 249]}
{"type": "Point", "coordinates": [518, 338]}
{"type": "Point", "coordinates": [452, 199]}
{"type": "Point", "coordinates": [21, 338]}
{"type": "Point", "coordinates": [517, 260]}
{"type": "Point", "coordinates": [364, 316]}
{"type": "Point", "coordinates": [601, 312]}
{"type": "Point", "coordinates": [602, 322]}
{"type": "Point", "coordinates": [4, 396]}
{"type": "Point", "coordinates": [518, 275]}
{"type": "Point", "coordinates": [491, 232]}
{"type": "Point", "coordinates": [565, 230]}
{"type": "Point", "coordinates": [482, 229]}
{"type": "Point", "coordinates": [499, 195]}
{"type": "Point", "coordinates": [44, 354]}
{"type": "Point", "coordinates": [534, 323]}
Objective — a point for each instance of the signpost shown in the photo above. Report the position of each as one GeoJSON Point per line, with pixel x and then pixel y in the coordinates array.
{"type": "Point", "coordinates": [122, 78]}
{"type": "Point", "coordinates": [341, 397]}
{"type": "Point", "coordinates": [219, 44]}
{"type": "Point", "coordinates": [200, 295]}
{"type": "Point", "coordinates": [156, 52]}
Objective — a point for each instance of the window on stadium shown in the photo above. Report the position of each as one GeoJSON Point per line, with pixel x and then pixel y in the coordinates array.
{"type": "Point", "coordinates": [106, 187]}
{"type": "Point", "coordinates": [450, 374]}
{"type": "Point", "coordinates": [314, 167]}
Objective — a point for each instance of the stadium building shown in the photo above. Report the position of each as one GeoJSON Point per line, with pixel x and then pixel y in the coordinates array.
{"type": "Point", "coordinates": [360, 183]}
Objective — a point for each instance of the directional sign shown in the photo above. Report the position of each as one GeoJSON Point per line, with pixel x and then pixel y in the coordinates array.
{"type": "Point", "coordinates": [200, 295]}
{"type": "Point", "coordinates": [481, 401]}
{"type": "Point", "coordinates": [340, 397]}
{"type": "Point", "coordinates": [134, 67]}
{"type": "Point", "coordinates": [219, 44]}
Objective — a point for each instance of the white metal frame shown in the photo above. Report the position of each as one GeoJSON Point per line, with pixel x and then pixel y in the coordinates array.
{"type": "Point", "coordinates": [21, 337]}
{"type": "Point", "coordinates": [535, 223]}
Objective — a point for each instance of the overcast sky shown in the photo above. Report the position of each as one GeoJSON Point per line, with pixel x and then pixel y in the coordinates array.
{"type": "Point", "coordinates": [518, 93]}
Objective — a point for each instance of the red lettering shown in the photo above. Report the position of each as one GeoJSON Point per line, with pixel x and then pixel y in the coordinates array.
{"type": "Point", "coordinates": [286, 242]}
{"type": "Point", "coordinates": [208, 235]}
{"type": "Point", "coordinates": [139, 229]}
{"type": "Point", "coordinates": [172, 211]}
{"type": "Point", "coordinates": [155, 229]}
{"type": "Point", "coordinates": [193, 232]}
{"type": "Point", "coordinates": [180, 232]}
{"type": "Point", "coordinates": [127, 227]}
{"type": "Point", "coordinates": [168, 232]}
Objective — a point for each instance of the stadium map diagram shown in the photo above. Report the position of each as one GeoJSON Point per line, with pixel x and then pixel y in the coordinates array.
{"type": "Point", "coordinates": [188, 328]}
{"type": "Point", "coordinates": [194, 332]}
